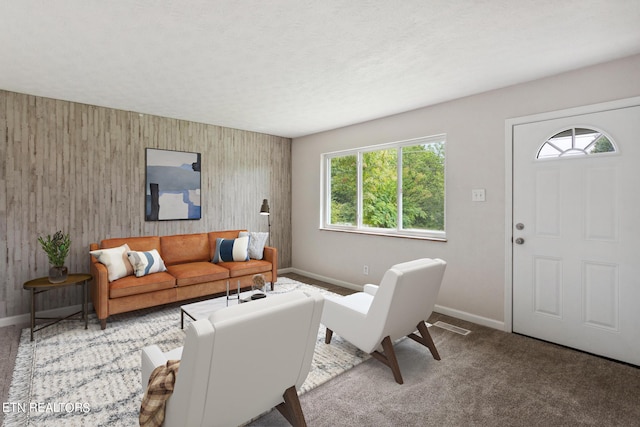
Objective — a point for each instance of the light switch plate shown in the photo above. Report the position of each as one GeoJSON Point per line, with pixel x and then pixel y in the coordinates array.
{"type": "Point", "coordinates": [477, 195]}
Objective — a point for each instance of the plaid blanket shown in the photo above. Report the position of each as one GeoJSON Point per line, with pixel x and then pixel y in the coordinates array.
{"type": "Point", "coordinates": [160, 387]}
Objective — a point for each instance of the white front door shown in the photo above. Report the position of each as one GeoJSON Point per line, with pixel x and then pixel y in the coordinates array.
{"type": "Point", "coordinates": [576, 232]}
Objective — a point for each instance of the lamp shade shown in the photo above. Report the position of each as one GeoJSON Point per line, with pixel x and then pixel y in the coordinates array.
{"type": "Point", "coordinates": [264, 209]}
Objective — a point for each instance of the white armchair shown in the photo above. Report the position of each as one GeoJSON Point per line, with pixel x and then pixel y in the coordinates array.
{"type": "Point", "coordinates": [242, 361]}
{"type": "Point", "coordinates": [373, 319]}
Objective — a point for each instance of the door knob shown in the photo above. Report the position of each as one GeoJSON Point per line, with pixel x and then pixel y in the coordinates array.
{"type": "Point", "coordinates": [520, 226]}
{"type": "Point", "coordinates": [519, 241]}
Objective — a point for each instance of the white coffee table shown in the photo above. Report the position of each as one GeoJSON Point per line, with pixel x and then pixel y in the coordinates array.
{"type": "Point", "coordinates": [202, 309]}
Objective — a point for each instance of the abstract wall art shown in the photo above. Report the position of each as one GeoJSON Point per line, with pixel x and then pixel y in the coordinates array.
{"type": "Point", "coordinates": [172, 185]}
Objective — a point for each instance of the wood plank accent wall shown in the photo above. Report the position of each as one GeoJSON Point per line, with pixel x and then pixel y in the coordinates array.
{"type": "Point", "coordinates": [81, 169]}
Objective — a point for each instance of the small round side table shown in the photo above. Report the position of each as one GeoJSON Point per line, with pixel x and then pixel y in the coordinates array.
{"type": "Point", "coordinates": [42, 284]}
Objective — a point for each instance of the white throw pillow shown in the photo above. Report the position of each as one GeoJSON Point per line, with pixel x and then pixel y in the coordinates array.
{"type": "Point", "coordinates": [257, 242]}
{"type": "Point", "coordinates": [116, 261]}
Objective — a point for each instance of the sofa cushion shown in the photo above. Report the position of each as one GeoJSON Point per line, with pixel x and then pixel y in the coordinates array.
{"type": "Point", "coordinates": [197, 272]}
{"type": "Point", "coordinates": [252, 266]}
{"type": "Point", "coordinates": [257, 241]}
{"type": "Point", "coordinates": [132, 285]}
{"type": "Point", "coordinates": [184, 248]}
{"type": "Point", "coordinates": [116, 261]}
{"type": "Point", "coordinates": [228, 250]}
{"type": "Point", "coordinates": [146, 262]}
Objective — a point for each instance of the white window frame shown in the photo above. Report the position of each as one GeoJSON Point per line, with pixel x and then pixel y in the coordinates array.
{"type": "Point", "coordinates": [325, 203]}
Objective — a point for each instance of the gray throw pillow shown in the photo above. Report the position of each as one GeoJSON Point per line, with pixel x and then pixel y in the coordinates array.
{"type": "Point", "coordinates": [257, 241]}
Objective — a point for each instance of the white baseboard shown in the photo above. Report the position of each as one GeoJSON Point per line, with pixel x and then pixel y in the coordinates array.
{"type": "Point", "coordinates": [469, 317]}
{"type": "Point", "coordinates": [323, 278]}
{"type": "Point", "coordinates": [25, 319]}
{"type": "Point", "coordinates": [458, 314]}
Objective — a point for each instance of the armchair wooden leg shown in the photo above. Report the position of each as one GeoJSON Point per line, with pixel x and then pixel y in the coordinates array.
{"type": "Point", "coordinates": [103, 323]}
{"type": "Point", "coordinates": [389, 359]}
{"type": "Point", "coordinates": [327, 336]}
{"type": "Point", "coordinates": [291, 409]}
{"type": "Point", "coordinates": [425, 339]}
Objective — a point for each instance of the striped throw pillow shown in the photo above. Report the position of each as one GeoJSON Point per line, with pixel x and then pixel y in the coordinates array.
{"type": "Point", "coordinates": [228, 250]}
{"type": "Point", "coordinates": [146, 262]}
{"type": "Point", "coordinates": [116, 261]}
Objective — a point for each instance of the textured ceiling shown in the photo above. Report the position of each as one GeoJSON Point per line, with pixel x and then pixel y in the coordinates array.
{"type": "Point", "coordinates": [296, 67]}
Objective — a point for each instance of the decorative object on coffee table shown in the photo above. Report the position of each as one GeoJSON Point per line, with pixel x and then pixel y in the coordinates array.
{"type": "Point", "coordinates": [231, 296]}
{"type": "Point", "coordinates": [57, 249]}
{"type": "Point", "coordinates": [258, 283]}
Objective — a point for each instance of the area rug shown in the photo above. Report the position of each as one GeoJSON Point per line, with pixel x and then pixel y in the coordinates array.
{"type": "Point", "coordinates": [70, 376]}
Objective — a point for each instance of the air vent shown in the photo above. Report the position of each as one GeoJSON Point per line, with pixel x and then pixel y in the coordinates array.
{"type": "Point", "coordinates": [452, 328]}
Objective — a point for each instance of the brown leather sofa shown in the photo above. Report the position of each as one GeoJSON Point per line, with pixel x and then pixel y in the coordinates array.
{"type": "Point", "coordinates": [190, 272]}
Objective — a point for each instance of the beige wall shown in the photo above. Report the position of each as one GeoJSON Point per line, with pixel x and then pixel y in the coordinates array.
{"type": "Point", "coordinates": [474, 284]}
{"type": "Point", "coordinates": [80, 168]}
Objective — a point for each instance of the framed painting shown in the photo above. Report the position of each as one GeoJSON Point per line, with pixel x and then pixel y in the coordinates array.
{"type": "Point", "coordinates": [172, 188]}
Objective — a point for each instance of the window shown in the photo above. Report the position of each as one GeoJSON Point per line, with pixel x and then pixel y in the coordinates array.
{"type": "Point", "coordinates": [393, 189]}
{"type": "Point", "coordinates": [344, 190]}
{"type": "Point", "coordinates": [575, 142]}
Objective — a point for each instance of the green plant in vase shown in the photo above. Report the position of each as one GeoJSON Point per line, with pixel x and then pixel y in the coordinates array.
{"type": "Point", "coordinates": [57, 249]}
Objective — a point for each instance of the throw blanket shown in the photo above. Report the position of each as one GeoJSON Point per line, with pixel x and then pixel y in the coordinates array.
{"type": "Point", "coordinates": [160, 387]}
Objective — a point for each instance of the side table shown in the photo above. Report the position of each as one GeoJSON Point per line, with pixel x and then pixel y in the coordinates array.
{"type": "Point", "coordinates": [42, 284]}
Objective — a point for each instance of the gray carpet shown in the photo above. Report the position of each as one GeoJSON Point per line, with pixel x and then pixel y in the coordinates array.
{"type": "Point", "coordinates": [487, 378]}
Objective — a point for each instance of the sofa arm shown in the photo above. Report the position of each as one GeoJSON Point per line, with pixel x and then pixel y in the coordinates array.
{"type": "Point", "coordinates": [271, 255]}
{"type": "Point", "coordinates": [99, 288]}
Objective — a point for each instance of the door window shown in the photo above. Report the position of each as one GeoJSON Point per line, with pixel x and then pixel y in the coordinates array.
{"type": "Point", "coordinates": [576, 142]}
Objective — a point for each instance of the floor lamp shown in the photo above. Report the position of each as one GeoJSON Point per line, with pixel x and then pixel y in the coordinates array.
{"type": "Point", "coordinates": [264, 210]}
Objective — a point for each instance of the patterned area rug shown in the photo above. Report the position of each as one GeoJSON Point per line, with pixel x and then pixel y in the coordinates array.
{"type": "Point", "coordinates": [70, 376]}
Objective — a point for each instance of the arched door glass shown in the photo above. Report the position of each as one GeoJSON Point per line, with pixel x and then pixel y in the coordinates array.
{"type": "Point", "coordinates": [576, 142]}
